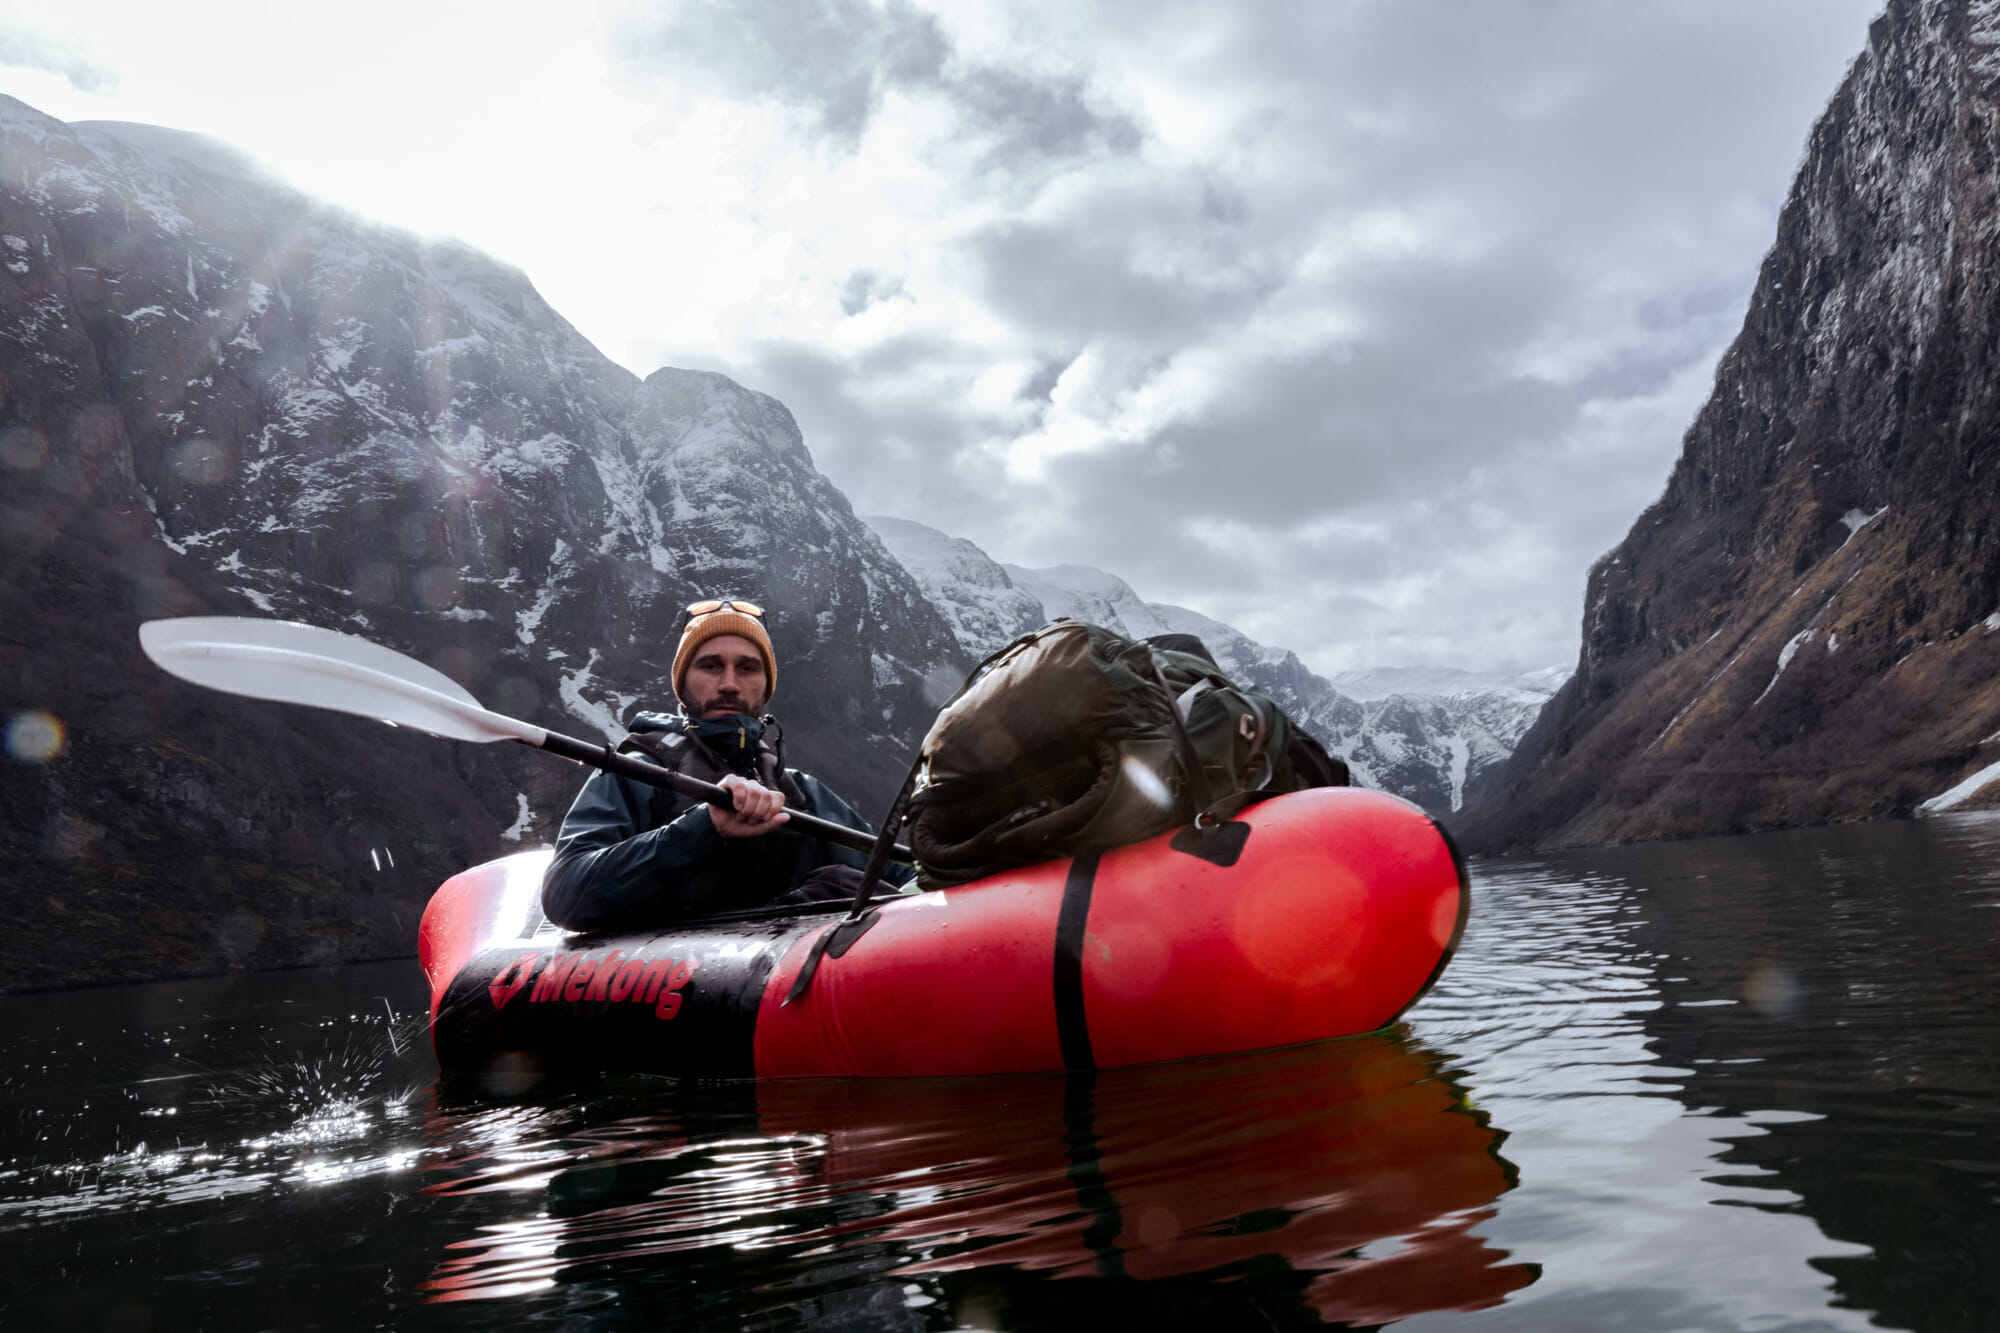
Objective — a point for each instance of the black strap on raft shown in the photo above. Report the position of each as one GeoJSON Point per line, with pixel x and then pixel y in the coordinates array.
{"type": "Point", "coordinates": [1072, 918]}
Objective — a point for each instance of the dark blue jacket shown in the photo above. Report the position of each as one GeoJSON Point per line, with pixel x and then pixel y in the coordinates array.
{"type": "Point", "coordinates": [632, 855]}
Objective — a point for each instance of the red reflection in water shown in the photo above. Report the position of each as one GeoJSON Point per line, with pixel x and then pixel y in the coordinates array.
{"type": "Point", "coordinates": [1353, 1161]}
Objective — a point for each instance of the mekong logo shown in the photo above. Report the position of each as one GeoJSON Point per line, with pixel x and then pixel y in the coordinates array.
{"type": "Point", "coordinates": [608, 977]}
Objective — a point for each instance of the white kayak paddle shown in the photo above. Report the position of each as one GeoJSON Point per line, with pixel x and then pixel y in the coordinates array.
{"type": "Point", "coordinates": [287, 662]}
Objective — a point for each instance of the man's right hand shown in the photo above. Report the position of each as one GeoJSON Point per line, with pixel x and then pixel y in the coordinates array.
{"type": "Point", "coordinates": [758, 809]}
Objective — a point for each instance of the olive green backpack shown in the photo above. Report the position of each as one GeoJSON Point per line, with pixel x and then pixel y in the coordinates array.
{"type": "Point", "coordinates": [1074, 739]}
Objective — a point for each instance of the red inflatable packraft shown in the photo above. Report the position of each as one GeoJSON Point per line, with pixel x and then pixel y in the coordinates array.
{"type": "Point", "coordinates": [1336, 910]}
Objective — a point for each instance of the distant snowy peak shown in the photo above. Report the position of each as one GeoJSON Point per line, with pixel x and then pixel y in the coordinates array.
{"type": "Point", "coordinates": [983, 606]}
{"type": "Point", "coordinates": [1083, 593]}
{"type": "Point", "coordinates": [1446, 682]}
{"type": "Point", "coordinates": [1087, 594]}
{"type": "Point", "coordinates": [1424, 734]}
{"type": "Point", "coordinates": [990, 604]}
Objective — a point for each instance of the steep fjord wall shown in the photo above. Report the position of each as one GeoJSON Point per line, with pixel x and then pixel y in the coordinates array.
{"type": "Point", "coordinates": [1803, 627]}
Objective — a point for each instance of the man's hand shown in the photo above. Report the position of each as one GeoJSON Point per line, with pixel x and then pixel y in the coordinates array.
{"type": "Point", "coordinates": [758, 809]}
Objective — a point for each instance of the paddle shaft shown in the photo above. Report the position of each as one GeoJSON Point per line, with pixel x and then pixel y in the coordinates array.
{"type": "Point", "coordinates": [630, 766]}
{"type": "Point", "coordinates": [286, 662]}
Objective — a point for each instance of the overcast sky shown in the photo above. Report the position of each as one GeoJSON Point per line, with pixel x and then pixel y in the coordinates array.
{"type": "Point", "coordinates": [1362, 325]}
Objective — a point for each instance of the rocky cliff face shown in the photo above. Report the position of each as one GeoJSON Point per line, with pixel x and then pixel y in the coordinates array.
{"type": "Point", "coordinates": [217, 396]}
{"type": "Point", "coordinates": [1422, 736]}
{"type": "Point", "coordinates": [1803, 628]}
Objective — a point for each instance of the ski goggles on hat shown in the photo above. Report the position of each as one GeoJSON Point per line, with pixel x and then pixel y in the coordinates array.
{"type": "Point", "coordinates": [710, 605]}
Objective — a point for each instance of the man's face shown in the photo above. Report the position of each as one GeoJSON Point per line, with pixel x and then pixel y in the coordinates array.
{"type": "Point", "coordinates": [727, 676]}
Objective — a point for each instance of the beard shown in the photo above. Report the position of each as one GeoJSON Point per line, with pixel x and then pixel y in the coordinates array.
{"type": "Point", "coordinates": [723, 704]}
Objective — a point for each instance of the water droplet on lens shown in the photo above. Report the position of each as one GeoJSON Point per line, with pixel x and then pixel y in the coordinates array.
{"type": "Point", "coordinates": [203, 461]}
{"type": "Point", "coordinates": [1772, 990]}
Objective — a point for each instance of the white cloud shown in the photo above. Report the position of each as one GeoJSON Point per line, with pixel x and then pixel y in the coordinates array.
{"type": "Point", "coordinates": [1364, 327]}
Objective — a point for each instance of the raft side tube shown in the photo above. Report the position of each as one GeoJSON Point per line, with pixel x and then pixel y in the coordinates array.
{"type": "Point", "coordinates": [952, 981]}
{"type": "Point", "coordinates": [479, 909]}
{"type": "Point", "coordinates": [680, 1002]}
{"type": "Point", "coordinates": [1338, 910]}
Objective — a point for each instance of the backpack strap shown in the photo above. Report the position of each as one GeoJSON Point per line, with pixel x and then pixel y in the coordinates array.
{"type": "Point", "coordinates": [1254, 724]}
{"type": "Point", "coordinates": [771, 763]}
{"type": "Point", "coordinates": [668, 749]}
{"type": "Point", "coordinates": [1258, 733]}
{"type": "Point", "coordinates": [663, 746]}
{"type": "Point", "coordinates": [1192, 771]}
{"type": "Point", "coordinates": [1184, 702]}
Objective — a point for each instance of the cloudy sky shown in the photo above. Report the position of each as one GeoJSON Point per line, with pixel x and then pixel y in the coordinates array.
{"type": "Point", "coordinates": [1363, 325]}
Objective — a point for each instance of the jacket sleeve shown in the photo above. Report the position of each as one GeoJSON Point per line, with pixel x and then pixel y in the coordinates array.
{"type": "Point", "coordinates": [823, 801]}
{"type": "Point", "coordinates": [609, 866]}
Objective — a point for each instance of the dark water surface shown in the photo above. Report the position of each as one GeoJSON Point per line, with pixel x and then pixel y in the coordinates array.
{"type": "Point", "coordinates": [1747, 1083]}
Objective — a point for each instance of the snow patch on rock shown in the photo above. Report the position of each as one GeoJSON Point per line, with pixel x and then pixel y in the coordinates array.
{"type": "Point", "coordinates": [524, 820]}
{"type": "Point", "coordinates": [1962, 792]}
{"type": "Point", "coordinates": [1785, 656]}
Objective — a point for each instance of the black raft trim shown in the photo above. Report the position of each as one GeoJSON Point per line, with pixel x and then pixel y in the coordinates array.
{"type": "Point", "coordinates": [1457, 929]}
{"type": "Point", "coordinates": [1071, 1029]}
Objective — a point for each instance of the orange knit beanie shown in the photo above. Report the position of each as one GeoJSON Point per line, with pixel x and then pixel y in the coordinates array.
{"type": "Point", "coordinates": [725, 619]}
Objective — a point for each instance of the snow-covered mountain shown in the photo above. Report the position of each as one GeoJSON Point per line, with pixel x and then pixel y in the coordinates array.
{"type": "Point", "coordinates": [1423, 734]}
{"type": "Point", "coordinates": [219, 395]}
{"type": "Point", "coordinates": [976, 596]}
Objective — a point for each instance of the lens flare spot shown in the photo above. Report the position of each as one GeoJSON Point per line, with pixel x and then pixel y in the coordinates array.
{"type": "Point", "coordinates": [1130, 964]}
{"type": "Point", "coordinates": [1156, 1225]}
{"type": "Point", "coordinates": [238, 935]}
{"type": "Point", "coordinates": [203, 461]}
{"type": "Point", "coordinates": [377, 583]}
{"type": "Point", "coordinates": [940, 684]}
{"type": "Point", "coordinates": [439, 588]}
{"type": "Point", "coordinates": [35, 737]}
{"type": "Point", "coordinates": [23, 448]}
{"type": "Point", "coordinates": [1147, 783]}
{"type": "Point", "coordinates": [510, 1074]}
{"type": "Point", "coordinates": [1772, 990]}
{"type": "Point", "coordinates": [515, 696]}
{"type": "Point", "coordinates": [1265, 925]}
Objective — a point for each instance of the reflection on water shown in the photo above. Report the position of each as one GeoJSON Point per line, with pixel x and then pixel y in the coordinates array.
{"type": "Point", "coordinates": [1798, 1027]}
{"type": "Point", "coordinates": [1730, 1084]}
{"type": "Point", "coordinates": [1857, 1014]}
{"type": "Point", "coordinates": [1351, 1167]}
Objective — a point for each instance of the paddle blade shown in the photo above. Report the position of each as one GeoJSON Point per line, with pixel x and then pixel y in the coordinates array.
{"type": "Point", "coordinates": [291, 663]}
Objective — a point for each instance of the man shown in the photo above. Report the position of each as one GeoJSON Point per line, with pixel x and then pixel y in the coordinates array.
{"type": "Point", "coordinates": [631, 854]}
